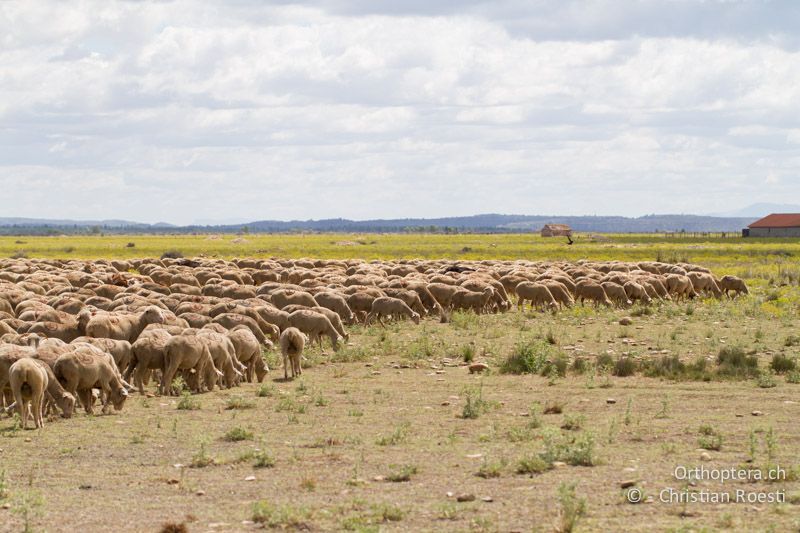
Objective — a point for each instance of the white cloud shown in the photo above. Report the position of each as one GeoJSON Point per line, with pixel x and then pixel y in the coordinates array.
{"type": "Point", "coordinates": [181, 111]}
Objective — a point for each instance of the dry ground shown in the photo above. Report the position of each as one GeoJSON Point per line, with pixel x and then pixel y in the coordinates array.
{"type": "Point", "coordinates": [391, 405]}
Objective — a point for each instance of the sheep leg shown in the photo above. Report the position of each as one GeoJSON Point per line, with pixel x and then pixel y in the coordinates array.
{"type": "Point", "coordinates": [22, 408]}
{"type": "Point", "coordinates": [85, 396]}
{"type": "Point", "coordinates": [37, 401]}
{"type": "Point", "coordinates": [166, 378]}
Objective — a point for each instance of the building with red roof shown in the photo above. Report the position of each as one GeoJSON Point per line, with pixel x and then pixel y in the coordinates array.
{"type": "Point", "coordinates": [775, 225]}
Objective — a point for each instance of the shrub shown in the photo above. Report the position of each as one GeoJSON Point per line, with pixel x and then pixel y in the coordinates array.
{"type": "Point", "coordinates": [668, 366]}
{"type": "Point", "coordinates": [475, 404]}
{"type": "Point", "coordinates": [468, 353]}
{"type": "Point", "coordinates": [605, 361]}
{"type": "Point", "coordinates": [710, 439]}
{"type": "Point", "coordinates": [533, 464]}
{"type": "Point", "coordinates": [490, 469]}
{"type": "Point", "coordinates": [398, 436]}
{"type": "Point", "coordinates": [283, 517]}
{"type": "Point", "coordinates": [573, 422]}
{"type": "Point", "coordinates": [791, 340]}
{"type": "Point", "coordinates": [572, 507]}
{"type": "Point", "coordinates": [402, 474]}
{"type": "Point", "coordinates": [238, 434]}
{"type": "Point", "coordinates": [528, 357]}
{"type": "Point", "coordinates": [580, 365]}
{"type": "Point", "coordinates": [265, 391]}
{"type": "Point", "coordinates": [202, 459]}
{"type": "Point", "coordinates": [781, 364]}
{"type": "Point", "coordinates": [624, 366]}
{"type": "Point", "coordinates": [188, 402]}
{"type": "Point", "coordinates": [793, 377]}
{"type": "Point", "coordinates": [464, 320]}
{"type": "Point", "coordinates": [734, 362]}
{"type": "Point", "coordinates": [130, 245]}
{"type": "Point", "coordinates": [766, 380]}
{"type": "Point", "coordinates": [263, 459]}
{"type": "Point", "coordinates": [239, 402]}
{"type": "Point", "coordinates": [574, 449]}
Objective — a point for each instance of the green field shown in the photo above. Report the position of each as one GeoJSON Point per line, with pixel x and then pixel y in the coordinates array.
{"type": "Point", "coordinates": [386, 433]}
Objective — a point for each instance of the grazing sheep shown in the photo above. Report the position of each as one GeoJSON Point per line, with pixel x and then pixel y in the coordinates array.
{"type": "Point", "coordinates": [223, 353]}
{"type": "Point", "coordinates": [636, 292]}
{"type": "Point", "coordinates": [616, 293]}
{"type": "Point", "coordinates": [443, 293]}
{"type": "Point", "coordinates": [560, 292]}
{"type": "Point", "coordinates": [123, 327]}
{"type": "Point", "coordinates": [703, 282]}
{"type": "Point", "coordinates": [476, 301]}
{"type": "Point", "coordinates": [81, 370]}
{"type": "Point", "coordinates": [188, 352]}
{"type": "Point", "coordinates": [389, 307]}
{"type": "Point", "coordinates": [361, 304]}
{"type": "Point", "coordinates": [147, 354]}
{"type": "Point", "coordinates": [315, 325]}
{"type": "Point", "coordinates": [680, 286]}
{"type": "Point", "coordinates": [587, 289]}
{"type": "Point", "coordinates": [248, 351]}
{"type": "Point", "coordinates": [732, 283]}
{"type": "Point", "coordinates": [537, 293]}
{"type": "Point", "coordinates": [66, 331]}
{"type": "Point", "coordinates": [29, 380]}
{"type": "Point", "coordinates": [120, 350]}
{"type": "Point", "coordinates": [282, 298]}
{"type": "Point", "coordinates": [411, 298]}
{"type": "Point", "coordinates": [292, 343]}
{"type": "Point", "coordinates": [231, 320]}
{"type": "Point", "coordinates": [337, 304]}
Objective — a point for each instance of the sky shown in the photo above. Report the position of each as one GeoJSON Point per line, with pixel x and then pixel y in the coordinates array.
{"type": "Point", "coordinates": [251, 110]}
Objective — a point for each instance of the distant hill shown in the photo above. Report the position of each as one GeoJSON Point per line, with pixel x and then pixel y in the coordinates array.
{"type": "Point", "coordinates": [759, 210]}
{"type": "Point", "coordinates": [488, 223]}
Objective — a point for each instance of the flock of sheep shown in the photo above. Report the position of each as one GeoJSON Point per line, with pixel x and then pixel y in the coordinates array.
{"type": "Point", "coordinates": [102, 329]}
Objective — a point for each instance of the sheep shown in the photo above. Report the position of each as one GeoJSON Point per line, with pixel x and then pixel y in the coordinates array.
{"type": "Point", "coordinates": [282, 298]}
{"type": "Point", "coordinates": [231, 320]}
{"type": "Point", "coordinates": [703, 282]}
{"type": "Point", "coordinates": [29, 380]}
{"type": "Point", "coordinates": [119, 350]}
{"type": "Point", "coordinates": [636, 292]}
{"type": "Point", "coordinates": [560, 292]}
{"type": "Point", "coordinates": [292, 343]}
{"type": "Point", "coordinates": [616, 293]}
{"type": "Point", "coordinates": [732, 283]}
{"type": "Point", "coordinates": [477, 301]}
{"type": "Point", "coordinates": [248, 352]}
{"type": "Point", "coordinates": [361, 304]}
{"type": "Point", "coordinates": [66, 331]}
{"type": "Point", "coordinates": [81, 370]}
{"type": "Point", "coordinates": [389, 307]}
{"type": "Point", "coordinates": [188, 352]}
{"type": "Point", "coordinates": [538, 294]}
{"type": "Point", "coordinates": [587, 289]}
{"type": "Point", "coordinates": [123, 327]}
{"type": "Point", "coordinates": [337, 304]}
{"type": "Point", "coordinates": [680, 286]}
{"type": "Point", "coordinates": [443, 293]}
{"type": "Point", "coordinates": [147, 354]}
{"type": "Point", "coordinates": [411, 298]}
{"type": "Point", "coordinates": [315, 325]}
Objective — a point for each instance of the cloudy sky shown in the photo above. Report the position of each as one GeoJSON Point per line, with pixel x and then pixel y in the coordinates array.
{"type": "Point", "coordinates": [186, 111]}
